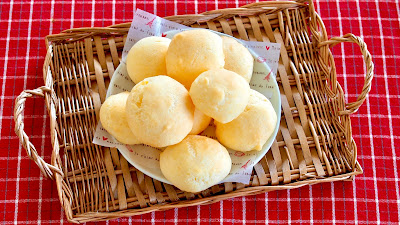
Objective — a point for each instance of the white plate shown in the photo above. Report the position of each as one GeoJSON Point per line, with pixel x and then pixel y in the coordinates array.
{"type": "Point", "coordinates": [146, 158]}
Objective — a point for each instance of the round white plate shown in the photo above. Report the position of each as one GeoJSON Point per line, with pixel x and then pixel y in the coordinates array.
{"type": "Point", "coordinates": [146, 158]}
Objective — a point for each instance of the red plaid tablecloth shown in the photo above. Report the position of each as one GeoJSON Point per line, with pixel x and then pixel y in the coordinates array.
{"type": "Point", "coordinates": [26, 197]}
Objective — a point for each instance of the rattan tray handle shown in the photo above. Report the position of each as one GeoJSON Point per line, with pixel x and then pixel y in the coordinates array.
{"type": "Point", "coordinates": [46, 168]}
{"type": "Point", "coordinates": [353, 106]}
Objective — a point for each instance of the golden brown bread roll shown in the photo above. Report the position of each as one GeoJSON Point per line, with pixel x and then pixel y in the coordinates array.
{"type": "Point", "coordinates": [220, 94]}
{"type": "Point", "coordinates": [113, 118]}
{"type": "Point", "coordinates": [196, 163]}
{"type": "Point", "coordinates": [193, 52]}
{"type": "Point", "coordinates": [160, 111]}
{"type": "Point", "coordinates": [238, 58]}
{"type": "Point", "coordinates": [252, 128]}
{"type": "Point", "coordinates": [200, 123]}
{"type": "Point", "coordinates": [147, 58]}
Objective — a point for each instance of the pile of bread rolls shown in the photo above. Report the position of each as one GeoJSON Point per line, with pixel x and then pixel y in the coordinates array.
{"type": "Point", "coordinates": [181, 85]}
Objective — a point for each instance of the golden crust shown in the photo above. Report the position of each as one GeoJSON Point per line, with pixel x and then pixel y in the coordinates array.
{"type": "Point", "coordinates": [252, 128]}
{"type": "Point", "coordinates": [147, 58]}
{"type": "Point", "coordinates": [200, 123]}
{"type": "Point", "coordinates": [193, 52]}
{"type": "Point", "coordinates": [113, 118]}
{"type": "Point", "coordinates": [220, 94]}
{"type": "Point", "coordinates": [196, 163]}
{"type": "Point", "coordinates": [160, 111]}
{"type": "Point", "coordinates": [238, 58]}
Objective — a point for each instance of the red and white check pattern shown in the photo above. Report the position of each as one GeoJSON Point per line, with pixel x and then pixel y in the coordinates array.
{"type": "Point", "coordinates": [372, 198]}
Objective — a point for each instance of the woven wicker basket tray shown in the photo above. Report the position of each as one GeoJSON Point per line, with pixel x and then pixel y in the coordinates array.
{"type": "Point", "coordinates": [314, 143]}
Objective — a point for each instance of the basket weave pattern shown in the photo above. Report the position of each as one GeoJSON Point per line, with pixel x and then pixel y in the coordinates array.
{"type": "Point", "coordinates": [314, 143]}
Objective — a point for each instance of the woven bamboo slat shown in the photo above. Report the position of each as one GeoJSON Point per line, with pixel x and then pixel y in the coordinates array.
{"type": "Point", "coordinates": [314, 143]}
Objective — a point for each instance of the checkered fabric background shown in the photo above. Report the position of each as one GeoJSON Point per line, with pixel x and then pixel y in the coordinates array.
{"type": "Point", "coordinates": [26, 197]}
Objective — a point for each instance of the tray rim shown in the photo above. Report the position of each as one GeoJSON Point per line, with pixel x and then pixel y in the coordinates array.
{"type": "Point", "coordinates": [56, 162]}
